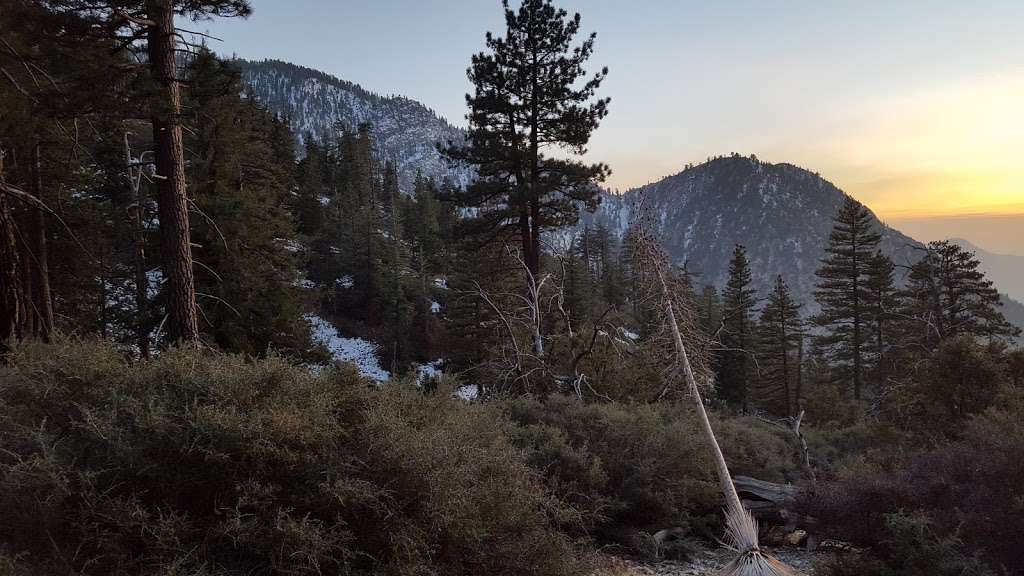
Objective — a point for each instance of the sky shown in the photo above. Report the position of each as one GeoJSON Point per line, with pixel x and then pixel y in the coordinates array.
{"type": "Point", "coordinates": [914, 108]}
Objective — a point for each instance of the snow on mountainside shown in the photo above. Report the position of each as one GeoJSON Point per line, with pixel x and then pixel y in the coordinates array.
{"type": "Point", "coordinates": [781, 213]}
{"type": "Point", "coordinates": [318, 104]}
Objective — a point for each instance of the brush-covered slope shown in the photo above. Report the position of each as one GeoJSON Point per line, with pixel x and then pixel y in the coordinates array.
{"type": "Point", "coordinates": [780, 212]}
{"type": "Point", "coordinates": [318, 105]}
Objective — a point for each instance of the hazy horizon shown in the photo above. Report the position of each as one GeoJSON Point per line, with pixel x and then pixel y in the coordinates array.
{"type": "Point", "coordinates": [911, 107]}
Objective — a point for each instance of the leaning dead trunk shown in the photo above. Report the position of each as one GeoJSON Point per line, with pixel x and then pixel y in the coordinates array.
{"type": "Point", "coordinates": [172, 199]}
{"type": "Point", "coordinates": [741, 529]}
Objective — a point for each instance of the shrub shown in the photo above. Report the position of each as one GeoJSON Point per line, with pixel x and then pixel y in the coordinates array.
{"type": "Point", "coordinates": [640, 467]}
{"type": "Point", "coordinates": [956, 508]}
{"type": "Point", "coordinates": [852, 565]}
{"type": "Point", "coordinates": [755, 448]}
{"type": "Point", "coordinates": [913, 546]}
{"type": "Point", "coordinates": [959, 379]}
{"type": "Point", "coordinates": [196, 463]}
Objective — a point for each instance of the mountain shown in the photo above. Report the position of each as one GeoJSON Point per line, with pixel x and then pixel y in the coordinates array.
{"type": "Point", "coordinates": [780, 212]}
{"type": "Point", "coordinates": [1014, 313]}
{"type": "Point", "coordinates": [1006, 270]}
{"type": "Point", "coordinates": [318, 104]}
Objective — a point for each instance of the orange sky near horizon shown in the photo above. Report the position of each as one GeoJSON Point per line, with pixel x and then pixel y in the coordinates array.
{"type": "Point", "coordinates": [957, 150]}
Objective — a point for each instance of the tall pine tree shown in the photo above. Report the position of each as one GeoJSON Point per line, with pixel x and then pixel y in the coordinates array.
{"type": "Point", "coordinates": [531, 94]}
{"type": "Point", "coordinates": [948, 296]}
{"type": "Point", "coordinates": [779, 335]}
{"type": "Point", "coordinates": [736, 368]}
{"type": "Point", "coordinates": [241, 177]}
{"type": "Point", "coordinates": [883, 307]}
{"type": "Point", "coordinates": [842, 290]}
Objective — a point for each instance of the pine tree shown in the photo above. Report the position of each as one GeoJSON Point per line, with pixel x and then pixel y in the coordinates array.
{"type": "Point", "coordinates": [578, 282]}
{"type": "Point", "coordinates": [51, 59]}
{"type": "Point", "coordinates": [842, 291]}
{"type": "Point", "coordinates": [427, 254]}
{"type": "Point", "coordinates": [948, 296]}
{"type": "Point", "coordinates": [241, 177]}
{"type": "Point", "coordinates": [609, 276]}
{"type": "Point", "coordinates": [473, 332]}
{"type": "Point", "coordinates": [779, 336]}
{"type": "Point", "coordinates": [396, 310]}
{"type": "Point", "coordinates": [709, 311]}
{"type": "Point", "coordinates": [309, 207]}
{"type": "Point", "coordinates": [154, 21]}
{"type": "Point", "coordinates": [528, 98]}
{"type": "Point", "coordinates": [736, 367]}
{"type": "Point", "coordinates": [883, 304]}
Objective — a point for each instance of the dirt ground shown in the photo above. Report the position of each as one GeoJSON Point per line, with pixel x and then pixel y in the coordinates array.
{"type": "Point", "coordinates": [705, 563]}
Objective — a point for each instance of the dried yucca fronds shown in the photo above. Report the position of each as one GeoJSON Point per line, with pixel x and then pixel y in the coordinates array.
{"type": "Point", "coordinates": [741, 529]}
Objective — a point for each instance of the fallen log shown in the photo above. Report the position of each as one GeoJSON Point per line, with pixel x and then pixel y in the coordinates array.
{"type": "Point", "coordinates": [770, 502]}
{"type": "Point", "coordinates": [768, 491]}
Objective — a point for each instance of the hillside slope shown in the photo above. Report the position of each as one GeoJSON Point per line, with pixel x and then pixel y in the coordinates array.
{"type": "Point", "coordinates": [780, 212]}
{"type": "Point", "coordinates": [319, 105]}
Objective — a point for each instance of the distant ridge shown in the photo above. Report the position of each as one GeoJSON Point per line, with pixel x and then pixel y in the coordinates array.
{"type": "Point", "coordinates": [781, 213]}
{"type": "Point", "coordinates": [319, 105]}
{"type": "Point", "coordinates": [1006, 270]}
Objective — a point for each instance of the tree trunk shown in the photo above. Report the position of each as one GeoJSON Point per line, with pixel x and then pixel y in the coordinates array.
{"type": "Point", "coordinates": [785, 366]}
{"type": "Point", "coordinates": [9, 291]}
{"type": "Point", "coordinates": [732, 499]}
{"type": "Point", "coordinates": [41, 297]}
{"type": "Point", "coordinates": [26, 306]}
{"type": "Point", "coordinates": [172, 199]}
{"type": "Point", "coordinates": [855, 276]}
{"type": "Point", "coordinates": [139, 248]}
{"type": "Point", "coordinates": [799, 374]}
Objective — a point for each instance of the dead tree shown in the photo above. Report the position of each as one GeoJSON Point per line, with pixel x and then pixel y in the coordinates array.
{"type": "Point", "coordinates": [42, 299]}
{"type": "Point", "coordinates": [10, 293]}
{"type": "Point", "coordinates": [522, 315]}
{"type": "Point", "coordinates": [741, 527]}
{"type": "Point", "coordinates": [135, 173]}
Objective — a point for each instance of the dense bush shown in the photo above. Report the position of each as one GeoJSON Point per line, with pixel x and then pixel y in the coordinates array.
{"type": "Point", "coordinates": [209, 464]}
{"type": "Point", "coordinates": [959, 379]}
{"type": "Point", "coordinates": [954, 509]}
{"type": "Point", "coordinates": [640, 467]}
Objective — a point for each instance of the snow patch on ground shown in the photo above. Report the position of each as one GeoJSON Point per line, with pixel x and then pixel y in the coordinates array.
{"type": "Point", "coordinates": [290, 245]}
{"type": "Point", "coordinates": [441, 283]}
{"type": "Point", "coordinates": [468, 392]}
{"type": "Point", "coordinates": [435, 307]}
{"type": "Point", "coordinates": [303, 282]}
{"type": "Point", "coordinates": [346, 281]}
{"type": "Point", "coordinates": [362, 353]}
{"type": "Point", "coordinates": [631, 335]}
{"type": "Point", "coordinates": [428, 371]}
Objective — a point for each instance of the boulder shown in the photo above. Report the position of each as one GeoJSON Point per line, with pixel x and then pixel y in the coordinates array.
{"type": "Point", "coordinates": [796, 537]}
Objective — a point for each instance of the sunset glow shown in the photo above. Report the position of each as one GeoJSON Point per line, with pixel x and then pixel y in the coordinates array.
{"type": "Point", "coordinates": [958, 150]}
{"type": "Point", "coordinates": [915, 108]}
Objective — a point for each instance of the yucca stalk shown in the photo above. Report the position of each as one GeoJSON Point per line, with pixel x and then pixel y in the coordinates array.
{"type": "Point", "coordinates": [740, 526]}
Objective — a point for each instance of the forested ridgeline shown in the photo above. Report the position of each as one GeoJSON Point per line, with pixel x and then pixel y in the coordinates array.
{"type": "Point", "coordinates": [181, 294]}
